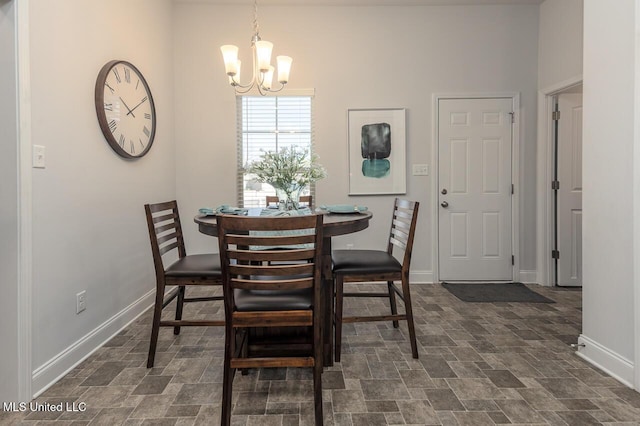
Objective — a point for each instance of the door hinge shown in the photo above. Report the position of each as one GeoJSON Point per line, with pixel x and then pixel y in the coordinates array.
{"type": "Point", "coordinates": [513, 117]}
{"type": "Point", "coordinates": [555, 185]}
{"type": "Point", "coordinates": [555, 254]}
{"type": "Point", "coordinates": [555, 115]}
{"type": "Point", "coordinates": [513, 190]}
{"type": "Point", "coordinates": [513, 260]}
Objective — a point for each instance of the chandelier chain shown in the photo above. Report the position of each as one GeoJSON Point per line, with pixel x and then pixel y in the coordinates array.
{"type": "Point", "coordinates": [256, 26]}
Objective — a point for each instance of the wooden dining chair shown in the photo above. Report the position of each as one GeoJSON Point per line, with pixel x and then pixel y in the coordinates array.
{"type": "Point", "coordinates": [167, 243]}
{"type": "Point", "coordinates": [305, 200]}
{"type": "Point", "coordinates": [259, 295]}
{"type": "Point", "coordinates": [379, 265]}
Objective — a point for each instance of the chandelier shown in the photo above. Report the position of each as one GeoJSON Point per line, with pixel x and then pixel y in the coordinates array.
{"type": "Point", "coordinates": [262, 69]}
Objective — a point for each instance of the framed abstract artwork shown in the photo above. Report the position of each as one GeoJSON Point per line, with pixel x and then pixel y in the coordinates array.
{"type": "Point", "coordinates": [377, 151]}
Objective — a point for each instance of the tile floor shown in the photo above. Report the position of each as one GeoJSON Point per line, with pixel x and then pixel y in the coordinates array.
{"type": "Point", "coordinates": [480, 364]}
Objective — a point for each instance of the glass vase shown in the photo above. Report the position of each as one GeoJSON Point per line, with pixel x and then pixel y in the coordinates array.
{"type": "Point", "coordinates": [288, 199]}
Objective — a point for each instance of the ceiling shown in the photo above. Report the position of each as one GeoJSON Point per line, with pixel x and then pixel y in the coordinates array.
{"type": "Point", "coordinates": [366, 2]}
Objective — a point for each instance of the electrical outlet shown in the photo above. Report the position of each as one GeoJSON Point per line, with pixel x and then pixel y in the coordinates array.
{"type": "Point", "coordinates": [81, 301]}
{"type": "Point", "coordinates": [349, 246]}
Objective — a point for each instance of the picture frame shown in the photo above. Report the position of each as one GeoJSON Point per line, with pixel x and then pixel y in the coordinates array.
{"type": "Point", "coordinates": [377, 151]}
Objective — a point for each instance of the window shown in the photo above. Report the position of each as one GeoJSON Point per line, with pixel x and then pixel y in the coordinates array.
{"type": "Point", "coordinates": [269, 123]}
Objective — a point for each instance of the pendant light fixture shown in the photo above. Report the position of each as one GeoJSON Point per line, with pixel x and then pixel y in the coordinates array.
{"type": "Point", "coordinates": [262, 69]}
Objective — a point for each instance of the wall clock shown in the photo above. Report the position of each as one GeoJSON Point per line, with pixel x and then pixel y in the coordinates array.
{"type": "Point", "coordinates": [125, 109]}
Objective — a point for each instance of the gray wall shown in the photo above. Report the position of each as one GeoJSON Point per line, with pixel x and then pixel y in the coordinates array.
{"type": "Point", "coordinates": [89, 230]}
{"type": "Point", "coordinates": [354, 57]}
{"type": "Point", "coordinates": [8, 204]}
{"type": "Point", "coordinates": [609, 221]}
{"type": "Point", "coordinates": [560, 41]}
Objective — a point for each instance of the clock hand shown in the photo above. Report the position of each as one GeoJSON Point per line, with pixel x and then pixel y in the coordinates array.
{"type": "Point", "coordinates": [127, 106]}
{"type": "Point", "coordinates": [139, 103]}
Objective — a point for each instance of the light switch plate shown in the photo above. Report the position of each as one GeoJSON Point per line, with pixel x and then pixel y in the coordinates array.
{"type": "Point", "coordinates": [421, 170]}
{"type": "Point", "coordinates": [38, 156]}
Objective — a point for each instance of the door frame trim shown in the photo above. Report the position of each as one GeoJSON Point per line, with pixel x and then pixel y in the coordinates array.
{"type": "Point", "coordinates": [515, 174]}
{"type": "Point", "coordinates": [544, 176]}
{"type": "Point", "coordinates": [25, 207]}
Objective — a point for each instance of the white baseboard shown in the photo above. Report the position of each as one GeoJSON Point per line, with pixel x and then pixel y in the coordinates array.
{"type": "Point", "coordinates": [528, 277]}
{"type": "Point", "coordinates": [54, 369]}
{"type": "Point", "coordinates": [608, 361]}
{"type": "Point", "coordinates": [421, 277]}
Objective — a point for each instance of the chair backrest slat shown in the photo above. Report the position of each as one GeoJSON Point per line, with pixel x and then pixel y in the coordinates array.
{"type": "Point", "coordinates": [273, 255]}
{"type": "Point", "coordinates": [165, 217]}
{"type": "Point", "coordinates": [166, 249]}
{"type": "Point", "coordinates": [403, 214]}
{"type": "Point", "coordinates": [290, 284]}
{"type": "Point", "coordinates": [271, 240]}
{"type": "Point", "coordinates": [400, 226]}
{"type": "Point", "coordinates": [277, 270]}
{"type": "Point", "coordinates": [402, 245]}
{"type": "Point", "coordinates": [169, 237]}
{"type": "Point", "coordinates": [167, 205]}
{"type": "Point", "coordinates": [166, 227]}
{"type": "Point", "coordinates": [399, 233]}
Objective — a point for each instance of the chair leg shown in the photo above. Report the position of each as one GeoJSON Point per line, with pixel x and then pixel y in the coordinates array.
{"type": "Point", "coordinates": [392, 302]}
{"type": "Point", "coordinates": [179, 305]}
{"type": "Point", "coordinates": [318, 354]}
{"type": "Point", "coordinates": [244, 350]}
{"type": "Point", "coordinates": [339, 282]}
{"type": "Point", "coordinates": [155, 325]}
{"type": "Point", "coordinates": [409, 312]}
{"type": "Point", "coordinates": [227, 377]}
{"type": "Point", "coordinates": [317, 392]}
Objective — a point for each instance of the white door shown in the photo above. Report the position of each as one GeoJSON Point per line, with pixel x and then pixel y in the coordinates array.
{"type": "Point", "coordinates": [569, 216]}
{"type": "Point", "coordinates": [474, 184]}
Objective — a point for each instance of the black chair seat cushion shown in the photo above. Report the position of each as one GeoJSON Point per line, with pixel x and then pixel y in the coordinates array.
{"type": "Point", "coordinates": [273, 300]}
{"type": "Point", "coordinates": [202, 265]}
{"type": "Point", "coordinates": [352, 262]}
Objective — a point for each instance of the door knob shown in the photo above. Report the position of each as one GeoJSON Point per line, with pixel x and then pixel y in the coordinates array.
{"type": "Point", "coordinates": [444, 204]}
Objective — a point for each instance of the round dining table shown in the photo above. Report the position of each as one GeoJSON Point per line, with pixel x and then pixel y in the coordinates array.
{"type": "Point", "coordinates": [334, 224]}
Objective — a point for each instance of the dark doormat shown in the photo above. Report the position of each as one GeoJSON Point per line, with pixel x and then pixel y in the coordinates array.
{"type": "Point", "coordinates": [495, 292]}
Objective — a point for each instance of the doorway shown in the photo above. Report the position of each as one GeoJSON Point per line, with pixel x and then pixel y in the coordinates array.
{"type": "Point", "coordinates": [475, 188]}
{"type": "Point", "coordinates": [566, 188]}
{"type": "Point", "coordinates": [546, 170]}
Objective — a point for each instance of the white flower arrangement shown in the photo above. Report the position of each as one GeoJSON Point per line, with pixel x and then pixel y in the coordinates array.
{"type": "Point", "coordinates": [288, 170]}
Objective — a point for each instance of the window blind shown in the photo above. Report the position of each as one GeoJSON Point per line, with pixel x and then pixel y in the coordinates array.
{"type": "Point", "coordinates": [269, 123]}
